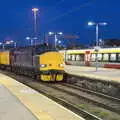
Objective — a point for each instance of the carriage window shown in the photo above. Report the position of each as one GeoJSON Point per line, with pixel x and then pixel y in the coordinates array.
{"type": "Point", "coordinates": [82, 57]}
{"type": "Point", "coordinates": [100, 57]}
{"type": "Point", "coordinates": [93, 57]}
{"type": "Point", "coordinates": [69, 57]}
{"type": "Point", "coordinates": [118, 57]}
{"type": "Point", "coordinates": [73, 57]}
{"type": "Point", "coordinates": [77, 57]}
{"type": "Point", "coordinates": [105, 57]}
{"type": "Point", "coordinates": [113, 57]}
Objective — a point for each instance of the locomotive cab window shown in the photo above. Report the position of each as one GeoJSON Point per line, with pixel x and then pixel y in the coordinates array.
{"type": "Point", "coordinates": [42, 48]}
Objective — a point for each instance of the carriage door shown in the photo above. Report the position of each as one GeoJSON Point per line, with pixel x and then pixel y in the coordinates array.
{"type": "Point", "coordinates": [87, 58]}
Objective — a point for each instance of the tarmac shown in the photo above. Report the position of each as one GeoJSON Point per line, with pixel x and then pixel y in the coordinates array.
{"type": "Point", "coordinates": [105, 74]}
{"type": "Point", "coordinates": [19, 102]}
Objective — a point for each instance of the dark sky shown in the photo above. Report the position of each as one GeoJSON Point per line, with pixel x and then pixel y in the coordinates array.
{"type": "Point", "coordinates": [68, 16]}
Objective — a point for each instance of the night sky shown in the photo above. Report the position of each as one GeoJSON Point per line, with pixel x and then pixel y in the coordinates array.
{"type": "Point", "coordinates": [68, 16]}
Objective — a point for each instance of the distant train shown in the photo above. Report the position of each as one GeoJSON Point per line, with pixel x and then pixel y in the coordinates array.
{"type": "Point", "coordinates": [38, 62]}
{"type": "Point", "coordinates": [107, 57]}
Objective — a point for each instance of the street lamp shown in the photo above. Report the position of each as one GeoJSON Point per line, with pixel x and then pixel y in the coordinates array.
{"type": "Point", "coordinates": [55, 36]}
{"type": "Point", "coordinates": [97, 29]}
{"type": "Point", "coordinates": [101, 42]}
{"type": "Point", "coordinates": [31, 39]}
{"type": "Point", "coordinates": [35, 10]}
{"type": "Point", "coordinates": [59, 42]}
{"type": "Point", "coordinates": [97, 48]}
{"type": "Point", "coordinates": [51, 33]}
{"type": "Point", "coordinates": [2, 44]}
{"type": "Point", "coordinates": [11, 42]}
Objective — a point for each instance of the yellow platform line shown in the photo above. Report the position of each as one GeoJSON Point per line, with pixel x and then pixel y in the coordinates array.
{"type": "Point", "coordinates": [42, 107]}
{"type": "Point", "coordinates": [15, 88]}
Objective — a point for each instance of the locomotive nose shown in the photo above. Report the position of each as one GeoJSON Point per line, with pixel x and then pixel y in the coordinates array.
{"type": "Point", "coordinates": [52, 68]}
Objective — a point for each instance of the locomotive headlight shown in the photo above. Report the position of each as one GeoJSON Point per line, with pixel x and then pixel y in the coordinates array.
{"type": "Point", "coordinates": [43, 65]}
{"type": "Point", "coordinates": [61, 65]}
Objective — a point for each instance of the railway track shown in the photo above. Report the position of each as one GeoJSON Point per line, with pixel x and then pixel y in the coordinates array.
{"type": "Point", "coordinates": [71, 96]}
{"type": "Point", "coordinates": [93, 92]}
{"type": "Point", "coordinates": [102, 100]}
{"type": "Point", "coordinates": [58, 97]}
{"type": "Point", "coordinates": [110, 88]}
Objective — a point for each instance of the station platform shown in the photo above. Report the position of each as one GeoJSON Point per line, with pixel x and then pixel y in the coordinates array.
{"type": "Point", "coordinates": [19, 102]}
{"type": "Point", "coordinates": [106, 74]}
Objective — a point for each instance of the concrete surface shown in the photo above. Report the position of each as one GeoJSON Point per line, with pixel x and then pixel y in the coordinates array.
{"type": "Point", "coordinates": [11, 108]}
{"type": "Point", "coordinates": [42, 107]}
{"type": "Point", "coordinates": [90, 72]}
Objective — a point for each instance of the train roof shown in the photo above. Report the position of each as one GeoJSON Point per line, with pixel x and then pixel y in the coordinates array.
{"type": "Point", "coordinates": [38, 49]}
{"type": "Point", "coordinates": [101, 50]}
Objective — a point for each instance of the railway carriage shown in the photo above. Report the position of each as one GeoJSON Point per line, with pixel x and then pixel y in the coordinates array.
{"type": "Point", "coordinates": [107, 57]}
{"type": "Point", "coordinates": [4, 59]}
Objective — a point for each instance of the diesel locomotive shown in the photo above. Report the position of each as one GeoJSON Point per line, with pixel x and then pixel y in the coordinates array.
{"type": "Point", "coordinates": [39, 62]}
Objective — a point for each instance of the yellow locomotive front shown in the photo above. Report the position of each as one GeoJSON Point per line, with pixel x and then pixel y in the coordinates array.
{"type": "Point", "coordinates": [51, 66]}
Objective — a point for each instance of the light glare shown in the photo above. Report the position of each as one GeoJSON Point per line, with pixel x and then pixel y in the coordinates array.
{"type": "Point", "coordinates": [104, 23]}
{"type": "Point", "coordinates": [60, 33]}
{"type": "Point", "coordinates": [91, 23]}
{"type": "Point", "coordinates": [51, 33]}
{"type": "Point", "coordinates": [35, 9]}
{"type": "Point", "coordinates": [27, 38]}
{"type": "Point", "coordinates": [11, 41]}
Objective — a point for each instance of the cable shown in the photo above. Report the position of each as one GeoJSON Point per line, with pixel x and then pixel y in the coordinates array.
{"type": "Point", "coordinates": [54, 6]}
{"type": "Point", "coordinates": [57, 4]}
{"type": "Point", "coordinates": [71, 11]}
